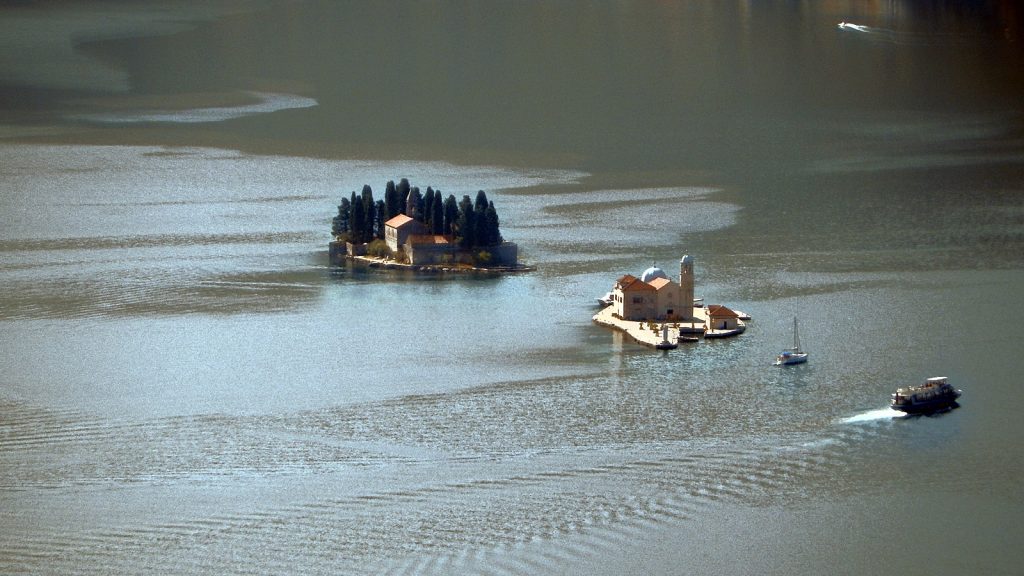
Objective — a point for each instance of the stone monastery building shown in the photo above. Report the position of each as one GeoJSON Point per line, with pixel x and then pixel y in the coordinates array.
{"type": "Point", "coordinates": [654, 296]}
{"type": "Point", "coordinates": [407, 235]}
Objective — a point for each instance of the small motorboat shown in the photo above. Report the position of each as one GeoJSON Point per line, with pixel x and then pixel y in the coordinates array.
{"type": "Point", "coordinates": [935, 394]}
{"type": "Point", "coordinates": [794, 355]}
{"type": "Point", "coordinates": [606, 300]}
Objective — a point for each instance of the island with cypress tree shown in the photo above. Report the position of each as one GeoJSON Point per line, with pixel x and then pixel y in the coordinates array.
{"type": "Point", "coordinates": [421, 230]}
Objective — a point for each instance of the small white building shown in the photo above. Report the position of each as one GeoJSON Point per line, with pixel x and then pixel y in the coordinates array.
{"type": "Point", "coordinates": [722, 318]}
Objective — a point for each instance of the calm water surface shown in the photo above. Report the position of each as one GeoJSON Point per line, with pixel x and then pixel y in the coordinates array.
{"type": "Point", "coordinates": [186, 385]}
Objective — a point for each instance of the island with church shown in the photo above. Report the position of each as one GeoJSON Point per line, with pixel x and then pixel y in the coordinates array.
{"type": "Point", "coordinates": [655, 311]}
{"type": "Point", "coordinates": [418, 230]}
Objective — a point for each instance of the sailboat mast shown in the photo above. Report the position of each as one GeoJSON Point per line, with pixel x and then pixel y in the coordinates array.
{"type": "Point", "coordinates": [796, 337]}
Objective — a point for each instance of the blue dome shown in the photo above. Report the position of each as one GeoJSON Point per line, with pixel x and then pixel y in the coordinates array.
{"type": "Point", "coordinates": [652, 273]}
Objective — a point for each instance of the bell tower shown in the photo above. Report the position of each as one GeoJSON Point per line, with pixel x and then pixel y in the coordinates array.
{"type": "Point", "coordinates": [686, 286]}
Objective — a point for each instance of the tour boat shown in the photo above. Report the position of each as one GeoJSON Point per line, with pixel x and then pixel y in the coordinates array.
{"type": "Point", "coordinates": [934, 394]}
{"type": "Point", "coordinates": [794, 355]}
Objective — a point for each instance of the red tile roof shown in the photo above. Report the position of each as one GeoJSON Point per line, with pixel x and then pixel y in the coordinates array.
{"type": "Point", "coordinates": [427, 239]}
{"type": "Point", "coordinates": [719, 311]}
{"type": "Point", "coordinates": [637, 286]}
{"type": "Point", "coordinates": [399, 221]}
{"type": "Point", "coordinates": [660, 283]}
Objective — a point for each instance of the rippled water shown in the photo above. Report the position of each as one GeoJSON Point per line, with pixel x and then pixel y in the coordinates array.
{"type": "Point", "coordinates": [187, 386]}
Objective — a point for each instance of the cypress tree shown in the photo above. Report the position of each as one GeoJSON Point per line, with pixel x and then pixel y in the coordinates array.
{"type": "Point", "coordinates": [480, 231]}
{"type": "Point", "coordinates": [437, 216]}
{"type": "Point", "coordinates": [492, 234]}
{"type": "Point", "coordinates": [451, 214]}
{"type": "Point", "coordinates": [465, 224]}
{"type": "Point", "coordinates": [381, 209]}
{"type": "Point", "coordinates": [369, 217]}
{"type": "Point", "coordinates": [428, 208]}
{"type": "Point", "coordinates": [403, 195]}
{"type": "Point", "coordinates": [481, 202]}
{"type": "Point", "coordinates": [340, 224]}
{"type": "Point", "coordinates": [358, 218]}
{"type": "Point", "coordinates": [483, 231]}
{"type": "Point", "coordinates": [391, 200]}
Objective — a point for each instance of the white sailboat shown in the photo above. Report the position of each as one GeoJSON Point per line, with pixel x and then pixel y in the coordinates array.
{"type": "Point", "coordinates": [794, 355]}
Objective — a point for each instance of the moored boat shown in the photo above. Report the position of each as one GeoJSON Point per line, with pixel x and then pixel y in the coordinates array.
{"type": "Point", "coordinates": [794, 355]}
{"type": "Point", "coordinates": [935, 394]}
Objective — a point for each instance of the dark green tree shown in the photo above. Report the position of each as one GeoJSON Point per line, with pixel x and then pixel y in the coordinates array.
{"type": "Point", "coordinates": [465, 224]}
{"type": "Point", "coordinates": [428, 208]}
{"type": "Point", "coordinates": [369, 214]}
{"type": "Point", "coordinates": [481, 202]}
{"type": "Point", "coordinates": [340, 224]}
{"type": "Point", "coordinates": [403, 195]}
{"type": "Point", "coordinates": [437, 214]}
{"type": "Point", "coordinates": [451, 214]}
{"type": "Point", "coordinates": [381, 210]}
{"type": "Point", "coordinates": [358, 222]}
{"type": "Point", "coordinates": [391, 200]}
{"type": "Point", "coordinates": [492, 233]}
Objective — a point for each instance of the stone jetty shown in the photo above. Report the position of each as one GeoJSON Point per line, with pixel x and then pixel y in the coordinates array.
{"type": "Point", "coordinates": [649, 333]}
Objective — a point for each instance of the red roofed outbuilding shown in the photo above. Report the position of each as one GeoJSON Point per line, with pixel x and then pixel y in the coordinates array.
{"type": "Point", "coordinates": [398, 229]}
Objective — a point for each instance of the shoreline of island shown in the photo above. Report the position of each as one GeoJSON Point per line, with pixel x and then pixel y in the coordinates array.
{"type": "Point", "coordinates": [338, 255]}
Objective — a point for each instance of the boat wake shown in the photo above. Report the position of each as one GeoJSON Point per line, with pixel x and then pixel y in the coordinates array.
{"type": "Point", "coordinates": [906, 38]}
{"type": "Point", "coordinates": [855, 27]}
{"type": "Point", "coordinates": [873, 415]}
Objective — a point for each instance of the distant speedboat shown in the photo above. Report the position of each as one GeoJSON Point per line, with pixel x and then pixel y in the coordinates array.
{"type": "Point", "coordinates": [852, 26]}
{"type": "Point", "coordinates": [794, 355]}
{"type": "Point", "coordinates": [606, 300]}
{"type": "Point", "coordinates": [934, 394]}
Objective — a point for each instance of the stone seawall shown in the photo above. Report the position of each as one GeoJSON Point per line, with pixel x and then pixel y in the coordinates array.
{"type": "Point", "coordinates": [642, 333]}
{"type": "Point", "coordinates": [504, 258]}
{"type": "Point", "coordinates": [337, 252]}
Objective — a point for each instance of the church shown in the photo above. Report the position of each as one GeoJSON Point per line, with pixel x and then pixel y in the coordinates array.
{"type": "Point", "coordinates": [654, 296]}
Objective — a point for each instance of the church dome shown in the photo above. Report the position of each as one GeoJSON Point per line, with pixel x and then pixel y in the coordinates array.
{"type": "Point", "coordinates": [652, 273]}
